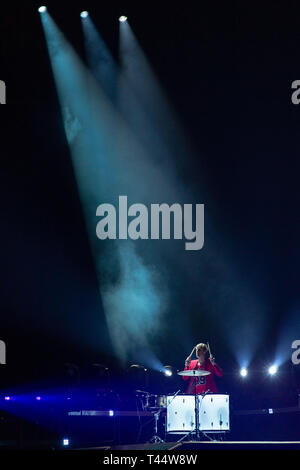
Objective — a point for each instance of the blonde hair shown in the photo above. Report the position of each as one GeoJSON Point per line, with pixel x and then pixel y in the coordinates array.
{"type": "Point", "coordinates": [202, 347]}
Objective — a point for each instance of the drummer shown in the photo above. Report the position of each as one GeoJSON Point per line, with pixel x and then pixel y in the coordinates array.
{"type": "Point", "coordinates": [205, 383]}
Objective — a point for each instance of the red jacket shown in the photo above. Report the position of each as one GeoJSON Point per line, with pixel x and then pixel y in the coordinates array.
{"type": "Point", "coordinates": [206, 382]}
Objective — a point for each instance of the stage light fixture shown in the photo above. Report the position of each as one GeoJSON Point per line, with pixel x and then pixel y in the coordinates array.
{"type": "Point", "coordinates": [273, 369]}
{"type": "Point", "coordinates": [111, 413]}
{"type": "Point", "coordinates": [42, 9]}
{"type": "Point", "coordinates": [122, 19]}
{"type": "Point", "coordinates": [38, 398]}
{"type": "Point", "coordinates": [243, 372]}
{"type": "Point", "coordinates": [7, 398]}
{"type": "Point", "coordinates": [167, 370]}
{"type": "Point", "coordinates": [65, 442]}
{"type": "Point", "coordinates": [84, 14]}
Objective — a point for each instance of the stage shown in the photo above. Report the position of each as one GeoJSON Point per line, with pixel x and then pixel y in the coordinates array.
{"type": "Point", "coordinates": [212, 445]}
{"type": "Point", "coordinates": [150, 231]}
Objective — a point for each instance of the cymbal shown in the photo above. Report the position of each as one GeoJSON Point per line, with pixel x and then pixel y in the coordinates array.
{"type": "Point", "coordinates": [193, 373]}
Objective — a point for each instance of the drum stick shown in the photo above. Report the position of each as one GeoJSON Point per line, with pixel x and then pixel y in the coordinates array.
{"type": "Point", "coordinates": [189, 357]}
{"type": "Point", "coordinates": [209, 351]}
{"type": "Point", "coordinates": [192, 351]}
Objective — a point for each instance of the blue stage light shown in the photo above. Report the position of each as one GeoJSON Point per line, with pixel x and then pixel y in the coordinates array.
{"type": "Point", "coordinates": [84, 14]}
{"type": "Point", "coordinates": [273, 369]}
{"type": "Point", "coordinates": [243, 372]}
{"type": "Point", "coordinates": [168, 371]}
{"type": "Point", "coordinates": [7, 398]}
{"type": "Point", "coordinates": [111, 413]}
{"type": "Point", "coordinates": [122, 19]}
{"type": "Point", "coordinates": [65, 442]}
{"type": "Point", "coordinates": [42, 9]}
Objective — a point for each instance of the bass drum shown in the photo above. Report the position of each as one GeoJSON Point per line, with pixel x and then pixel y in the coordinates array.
{"type": "Point", "coordinates": [180, 413]}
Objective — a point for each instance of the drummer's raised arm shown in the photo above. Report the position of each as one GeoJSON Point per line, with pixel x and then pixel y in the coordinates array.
{"type": "Point", "coordinates": [187, 363]}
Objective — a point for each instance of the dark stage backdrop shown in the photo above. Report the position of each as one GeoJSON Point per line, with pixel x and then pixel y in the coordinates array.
{"type": "Point", "coordinates": [227, 70]}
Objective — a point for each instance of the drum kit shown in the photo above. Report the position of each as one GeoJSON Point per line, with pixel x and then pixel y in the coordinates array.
{"type": "Point", "coordinates": [186, 414]}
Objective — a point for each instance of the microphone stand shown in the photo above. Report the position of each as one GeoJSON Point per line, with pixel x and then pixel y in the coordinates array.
{"type": "Point", "coordinates": [197, 410]}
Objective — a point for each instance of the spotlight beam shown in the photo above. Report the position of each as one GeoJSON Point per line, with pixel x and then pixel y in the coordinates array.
{"type": "Point", "coordinates": [134, 296]}
{"type": "Point", "coordinates": [99, 58]}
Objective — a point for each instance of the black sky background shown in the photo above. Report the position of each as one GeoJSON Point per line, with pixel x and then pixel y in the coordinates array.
{"type": "Point", "coordinates": [227, 69]}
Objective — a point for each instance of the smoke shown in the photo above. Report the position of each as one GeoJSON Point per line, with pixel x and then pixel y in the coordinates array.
{"type": "Point", "coordinates": [135, 303]}
{"type": "Point", "coordinates": [133, 148]}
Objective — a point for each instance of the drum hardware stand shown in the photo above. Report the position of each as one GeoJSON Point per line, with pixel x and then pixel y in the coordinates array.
{"type": "Point", "coordinates": [144, 394]}
{"type": "Point", "coordinates": [196, 381]}
{"type": "Point", "coordinates": [156, 439]}
{"type": "Point", "coordinates": [197, 424]}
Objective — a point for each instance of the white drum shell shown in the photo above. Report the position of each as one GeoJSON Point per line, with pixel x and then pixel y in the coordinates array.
{"type": "Point", "coordinates": [213, 413]}
{"type": "Point", "coordinates": [181, 413]}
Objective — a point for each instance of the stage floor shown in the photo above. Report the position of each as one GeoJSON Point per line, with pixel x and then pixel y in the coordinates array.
{"type": "Point", "coordinates": [209, 445]}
